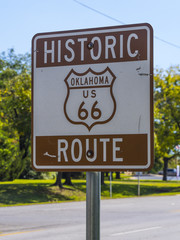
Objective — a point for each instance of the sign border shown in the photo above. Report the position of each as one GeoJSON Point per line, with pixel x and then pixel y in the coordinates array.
{"type": "Point", "coordinates": [93, 168]}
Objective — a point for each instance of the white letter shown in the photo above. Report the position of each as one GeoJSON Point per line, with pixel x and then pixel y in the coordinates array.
{"type": "Point", "coordinates": [80, 150]}
{"type": "Point", "coordinates": [69, 49]}
{"type": "Point", "coordinates": [132, 35]}
{"type": "Point", "coordinates": [82, 40]}
{"type": "Point", "coordinates": [51, 51]}
{"type": "Point", "coordinates": [104, 141]}
{"type": "Point", "coordinates": [93, 158]}
{"type": "Point", "coordinates": [121, 46]}
{"type": "Point", "coordinates": [115, 149]}
{"type": "Point", "coordinates": [110, 46]}
{"type": "Point", "coordinates": [59, 50]}
{"type": "Point", "coordinates": [62, 149]}
{"type": "Point", "coordinates": [99, 48]}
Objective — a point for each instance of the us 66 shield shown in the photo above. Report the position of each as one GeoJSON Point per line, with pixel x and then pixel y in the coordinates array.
{"type": "Point", "coordinates": [92, 90]}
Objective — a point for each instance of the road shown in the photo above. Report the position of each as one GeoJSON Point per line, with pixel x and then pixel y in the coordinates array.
{"type": "Point", "coordinates": [152, 218]}
{"type": "Point", "coordinates": [155, 177]}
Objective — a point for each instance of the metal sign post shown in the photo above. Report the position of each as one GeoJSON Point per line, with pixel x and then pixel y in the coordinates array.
{"type": "Point", "coordinates": [139, 188]}
{"type": "Point", "coordinates": [93, 193]}
{"type": "Point", "coordinates": [110, 184]}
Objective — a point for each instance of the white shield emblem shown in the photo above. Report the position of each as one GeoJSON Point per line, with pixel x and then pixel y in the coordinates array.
{"type": "Point", "coordinates": [90, 98]}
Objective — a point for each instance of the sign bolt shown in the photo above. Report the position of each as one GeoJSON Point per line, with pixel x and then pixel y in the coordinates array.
{"type": "Point", "coordinates": [90, 45]}
{"type": "Point", "coordinates": [90, 154]}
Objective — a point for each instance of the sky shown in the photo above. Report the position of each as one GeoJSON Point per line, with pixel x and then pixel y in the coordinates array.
{"type": "Point", "coordinates": [22, 19]}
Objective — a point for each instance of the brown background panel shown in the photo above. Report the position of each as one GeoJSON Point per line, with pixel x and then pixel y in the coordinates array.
{"type": "Point", "coordinates": [139, 44]}
{"type": "Point", "coordinates": [133, 150]}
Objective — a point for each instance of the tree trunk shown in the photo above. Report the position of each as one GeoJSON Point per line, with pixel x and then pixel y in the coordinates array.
{"type": "Point", "coordinates": [58, 180]}
{"type": "Point", "coordinates": [165, 169]}
{"type": "Point", "coordinates": [118, 176]}
{"type": "Point", "coordinates": [68, 179]}
{"type": "Point", "coordinates": [102, 178]}
{"type": "Point", "coordinates": [24, 142]}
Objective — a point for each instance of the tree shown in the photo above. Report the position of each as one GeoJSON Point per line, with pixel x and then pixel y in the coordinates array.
{"type": "Point", "coordinates": [58, 180]}
{"type": "Point", "coordinates": [67, 176]}
{"type": "Point", "coordinates": [15, 95]}
{"type": "Point", "coordinates": [167, 115]}
{"type": "Point", "coordinates": [118, 175]}
{"type": "Point", "coordinates": [8, 154]}
{"type": "Point", "coordinates": [102, 178]}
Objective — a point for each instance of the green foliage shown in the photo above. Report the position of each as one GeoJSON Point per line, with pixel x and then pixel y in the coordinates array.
{"type": "Point", "coordinates": [15, 122]}
{"type": "Point", "coordinates": [15, 116]}
{"type": "Point", "coordinates": [8, 156]}
{"type": "Point", "coordinates": [167, 113]}
{"type": "Point", "coordinates": [19, 63]}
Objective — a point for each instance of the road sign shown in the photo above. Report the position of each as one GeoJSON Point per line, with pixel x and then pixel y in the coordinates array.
{"type": "Point", "coordinates": [92, 99]}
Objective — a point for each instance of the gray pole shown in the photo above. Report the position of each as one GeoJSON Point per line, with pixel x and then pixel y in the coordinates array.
{"type": "Point", "coordinates": [110, 184]}
{"type": "Point", "coordinates": [93, 194]}
{"type": "Point", "coordinates": [139, 184]}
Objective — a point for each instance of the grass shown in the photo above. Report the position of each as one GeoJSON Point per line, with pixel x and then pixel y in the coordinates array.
{"type": "Point", "coordinates": [23, 192]}
{"type": "Point", "coordinates": [147, 188]}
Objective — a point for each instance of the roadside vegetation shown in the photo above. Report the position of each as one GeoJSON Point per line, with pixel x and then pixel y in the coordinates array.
{"type": "Point", "coordinates": [23, 192]}
{"type": "Point", "coordinates": [15, 119]}
{"type": "Point", "coordinates": [45, 187]}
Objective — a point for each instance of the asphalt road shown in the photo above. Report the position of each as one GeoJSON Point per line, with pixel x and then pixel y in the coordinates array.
{"type": "Point", "coordinates": [152, 218]}
{"type": "Point", "coordinates": [155, 177]}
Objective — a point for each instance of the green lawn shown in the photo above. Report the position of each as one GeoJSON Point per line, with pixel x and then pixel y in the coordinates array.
{"type": "Point", "coordinates": [21, 192]}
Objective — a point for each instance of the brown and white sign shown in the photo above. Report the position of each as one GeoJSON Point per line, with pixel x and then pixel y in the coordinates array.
{"type": "Point", "coordinates": [92, 99]}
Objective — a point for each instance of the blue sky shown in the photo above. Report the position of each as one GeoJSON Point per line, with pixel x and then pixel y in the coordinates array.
{"type": "Point", "coordinates": [22, 19]}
